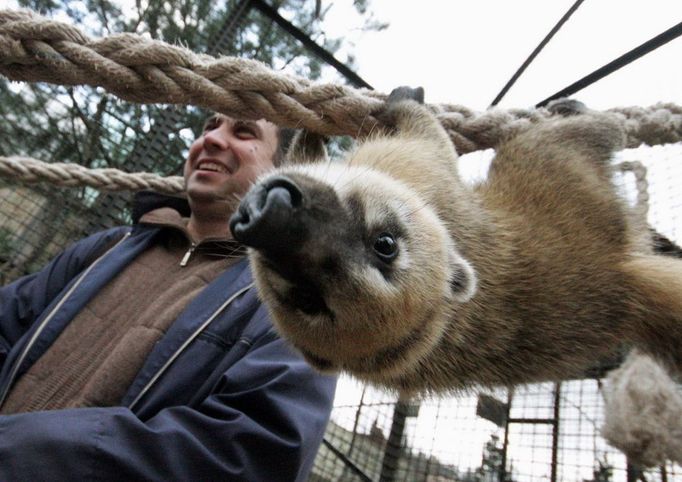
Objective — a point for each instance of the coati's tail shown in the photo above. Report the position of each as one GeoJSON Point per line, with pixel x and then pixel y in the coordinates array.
{"type": "Point", "coordinates": [656, 303]}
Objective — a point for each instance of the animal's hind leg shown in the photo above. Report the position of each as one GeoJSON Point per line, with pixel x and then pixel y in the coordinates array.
{"type": "Point", "coordinates": [655, 305]}
{"type": "Point", "coordinates": [593, 135]}
{"type": "Point", "coordinates": [579, 145]}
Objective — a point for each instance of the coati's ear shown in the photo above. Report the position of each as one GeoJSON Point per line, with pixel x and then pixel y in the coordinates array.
{"type": "Point", "coordinates": [463, 281]}
{"type": "Point", "coordinates": [307, 148]}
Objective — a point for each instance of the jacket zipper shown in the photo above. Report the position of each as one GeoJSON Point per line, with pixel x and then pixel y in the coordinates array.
{"type": "Point", "coordinates": [182, 347]}
{"type": "Point", "coordinates": [188, 254]}
{"type": "Point", "coordinates": [47, 319]}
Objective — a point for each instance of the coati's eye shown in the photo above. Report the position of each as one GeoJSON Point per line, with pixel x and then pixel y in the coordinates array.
{"type": "Point", "coordinates": [385, 247]}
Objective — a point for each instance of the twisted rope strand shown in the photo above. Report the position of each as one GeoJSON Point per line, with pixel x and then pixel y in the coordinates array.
{"type": "Point", "coordinates": [142, 70]}
{"type": "Point", "coordinates": [28, 170]}
{"type": "Point", "coordinates": [641, 183]}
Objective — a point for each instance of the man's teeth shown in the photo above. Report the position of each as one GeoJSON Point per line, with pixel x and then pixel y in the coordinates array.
{"type": "Point", "coordinates": [212, 166]}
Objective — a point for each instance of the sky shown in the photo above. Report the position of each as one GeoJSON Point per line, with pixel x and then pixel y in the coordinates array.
{"type": "Point", "coordinates": [463, 52]}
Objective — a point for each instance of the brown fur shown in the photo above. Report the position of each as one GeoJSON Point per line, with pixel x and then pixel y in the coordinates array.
{"type": "Point", "coordinates": [560, 275]}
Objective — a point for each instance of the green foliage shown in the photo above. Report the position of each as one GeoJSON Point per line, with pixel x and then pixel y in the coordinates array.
{"type": "Point", "coordinates": [602, 473]}
{"type": "Point", "coordinates": [93, 128]}
{"type": "Point", "coordinates": [491, 468]}
{"type": "Point", "coordinates": [6, 244]}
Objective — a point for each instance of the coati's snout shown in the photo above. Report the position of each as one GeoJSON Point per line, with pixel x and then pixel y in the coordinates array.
{"type": "Point", "coordinates": [265, 218]}
{"type": "Point", "coordinates": [297, 228]}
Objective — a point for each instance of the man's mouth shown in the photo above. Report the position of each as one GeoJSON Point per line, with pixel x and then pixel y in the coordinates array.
{"type": "Point", "coordinates": [212, 166]}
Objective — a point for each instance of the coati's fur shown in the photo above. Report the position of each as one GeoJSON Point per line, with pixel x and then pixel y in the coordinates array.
{"type": "Point", "coordinates": [534, 274]}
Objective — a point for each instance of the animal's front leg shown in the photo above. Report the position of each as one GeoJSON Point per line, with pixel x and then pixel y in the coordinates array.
{"type": "Point", "coordinates": [405, 116]}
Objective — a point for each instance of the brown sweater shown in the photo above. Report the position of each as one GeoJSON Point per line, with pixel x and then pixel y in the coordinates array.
{"type": "Point", "coordinates": [97, 356]}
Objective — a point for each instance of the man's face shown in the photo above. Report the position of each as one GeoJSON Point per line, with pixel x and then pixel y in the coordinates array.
{"type": "Point", "coordinates": [228, 157]}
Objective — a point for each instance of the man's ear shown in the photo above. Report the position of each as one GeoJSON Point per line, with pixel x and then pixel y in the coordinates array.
{"type": "Point", "coordinates": [307, 148]}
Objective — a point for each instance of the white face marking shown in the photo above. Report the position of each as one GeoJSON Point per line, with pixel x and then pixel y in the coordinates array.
{"type": "Point", "coordinates": [386, 204]}
{"type": "Point", "coordinates": [373, 278]}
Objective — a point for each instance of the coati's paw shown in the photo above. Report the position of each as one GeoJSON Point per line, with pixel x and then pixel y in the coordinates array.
{"type": "Point", "coordinates": [397, 109]}
{"type": "Point", "coordinates": [567, 107]}
{"type": "Point", "coordinates": [406, 93]}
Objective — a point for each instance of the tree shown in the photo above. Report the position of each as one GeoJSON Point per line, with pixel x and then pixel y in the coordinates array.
{"type": "Point", "coordinates": [90, 127]}
{"type": "Point", "coordinates": [491, 469]}
{"type": "Point", "coordinates": [603, 472]}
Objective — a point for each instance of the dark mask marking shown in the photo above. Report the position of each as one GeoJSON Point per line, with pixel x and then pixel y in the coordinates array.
{"type": "Point", "coordinates": [307, 298]}
{"type": "Point", "coordinates": [320, 363]}
{"type": "Point", "coordinates": [459, 281]}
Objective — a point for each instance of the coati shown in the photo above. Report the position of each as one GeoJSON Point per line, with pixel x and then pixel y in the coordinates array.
{"type": "Point", "coordinates": [389, 267]}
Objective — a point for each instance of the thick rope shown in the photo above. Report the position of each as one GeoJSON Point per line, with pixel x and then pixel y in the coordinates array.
{"type": "Point", "coordinates": [142, 70]}
{"type": "Point", "coordinates": [28, 170]}
{"type": "Point", "coordinates": [643, 412]}
{"type": "Point", "coordinates": [641, 184]}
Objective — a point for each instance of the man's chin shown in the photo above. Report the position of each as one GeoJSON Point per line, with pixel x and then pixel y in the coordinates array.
{"type": "Point", "coordinates": [203, 199]}
{"type": "Point", "coordinates": [203, 195]}
{"type": "Point", "coordinates": [206, 192]}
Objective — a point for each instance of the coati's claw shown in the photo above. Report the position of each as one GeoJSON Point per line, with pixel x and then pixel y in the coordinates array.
{"type": "Point", "coordinates": [566, 107]}
{"type": "Point", "coordinates": [390, 113]}
{"type": "Point", "coordinates": [406, 93]}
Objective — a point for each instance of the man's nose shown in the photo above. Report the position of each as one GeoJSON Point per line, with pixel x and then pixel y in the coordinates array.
{"type": "Point", "coordinates": [217, 139]}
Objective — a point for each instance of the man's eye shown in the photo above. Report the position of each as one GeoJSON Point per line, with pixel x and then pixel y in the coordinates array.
{"type": "Point", "coordinates": [244, 132]}
{"type": "Point", "coordinates": [211, 124]}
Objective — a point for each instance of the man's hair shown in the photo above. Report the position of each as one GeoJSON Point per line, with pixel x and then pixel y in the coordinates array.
{"type": "Point", "coordinates": [284, 137]}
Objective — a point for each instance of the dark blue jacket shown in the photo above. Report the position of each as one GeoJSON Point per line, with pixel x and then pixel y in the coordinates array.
{"type": "Point", "coordinates": [220, 397]}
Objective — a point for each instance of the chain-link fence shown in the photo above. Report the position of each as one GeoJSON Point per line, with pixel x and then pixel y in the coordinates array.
{"type": "Point", "coordinates": [538, 432]}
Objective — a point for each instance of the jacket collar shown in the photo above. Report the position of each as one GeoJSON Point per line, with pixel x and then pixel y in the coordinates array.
{"type": "Point", "coordinates": [147, 201]}
{"type": "Point", "coordinates": [168, 212]}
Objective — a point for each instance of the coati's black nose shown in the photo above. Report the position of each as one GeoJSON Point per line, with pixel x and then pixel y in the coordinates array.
{"type": "Point", "coordinates": [264, 217]}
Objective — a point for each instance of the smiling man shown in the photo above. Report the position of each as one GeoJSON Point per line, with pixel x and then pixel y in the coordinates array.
{"type": "Point", "coordinates": [221, 166]}
{"type": "Point", "coordinates": [143, 352]}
